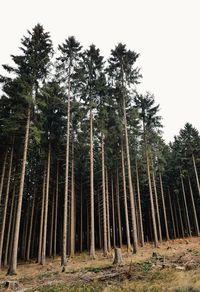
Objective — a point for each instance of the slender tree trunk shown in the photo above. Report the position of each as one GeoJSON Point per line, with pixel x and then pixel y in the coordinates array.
{"type": "Point", "coordinates": [118, 211]}
{"type": "Point", "coordinates": [176, 218]}
{"type": "Point", "coordinates": [180, 216]}
{"type": "Point", "coordinates": [81, 220]}
{"type": "Point", "coordinates": [9, 227]}
{"type": "Point", "coordinates": [132, 201]}
{"type": "Point", "coordinates": [66, 194]}
{"type": "Point", "coordinates": [3, 174]}
{"type": "Point", "coordinates": [194, 208]}
{"type": "Point", "coordinates": [72, 237]}
{"type": "Point", "coordinates": [164, 207]}
{"type": "Point", "coordinates": [30, 229]}
{"type": "Point", "coordinates": [99, 220]}
{"type": "Point", "coordinates": [113, 214]}
{"type": "Point", "coordinates": [42, 217]}
{"type": "Point", "coordinates": [105, 246]}
{"type": "Point", "coordinates": [92, 240]}
{"type": "Point", "coordinates": [185, 203]}
{"type": "Point", "coordinates": [13, 264]}
{"type": "Point", "coordinates": [172, 214]}
{"type": "Point", "coordinates": [43, 253]}
{"type": "Point", "coordinates": [125, 203]}
{"type": "Point", "coordinates": [52, 222]}
{"type": "Point", "coordinates": [56, 212]}
{"type": "Point", "coordinates": [6, 205]}
{"type": "Point", "coordinates": [196, 174]}
{"type": "Point", "coordinates": [108, 211]}
{"type": "Point", "coordinates": [152, 203]}
{"type": "Point", "coordinates": [139, 206]}
{"type": "Point", "coordinates": [157, 206]}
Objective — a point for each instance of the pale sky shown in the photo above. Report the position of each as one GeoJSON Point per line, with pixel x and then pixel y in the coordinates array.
{"type": "Point", "coordinates": [165, 32]}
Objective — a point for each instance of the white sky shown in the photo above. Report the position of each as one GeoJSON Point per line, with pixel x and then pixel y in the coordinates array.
{"type": "Point", "coordinates": [165, 33]}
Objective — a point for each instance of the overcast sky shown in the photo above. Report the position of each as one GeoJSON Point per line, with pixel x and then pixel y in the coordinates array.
{"type": "Point", "coordinates": [165, 32]}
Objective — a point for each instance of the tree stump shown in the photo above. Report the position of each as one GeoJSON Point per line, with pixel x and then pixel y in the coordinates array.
{"type": "Point", "coordinates": [118, 257]}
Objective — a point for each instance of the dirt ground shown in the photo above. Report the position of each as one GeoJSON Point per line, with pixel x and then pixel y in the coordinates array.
{"type": "Point", "coordinates": [174, 266]}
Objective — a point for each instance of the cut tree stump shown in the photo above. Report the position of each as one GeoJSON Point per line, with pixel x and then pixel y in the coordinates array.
{"type": "Point", "coordinates": [118, 257]}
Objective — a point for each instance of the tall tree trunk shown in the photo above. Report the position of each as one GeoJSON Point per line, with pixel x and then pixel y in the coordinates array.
{"type": "Point", "coordinates": [66, 194]}
{"type": "Point", "coordinates": [164, 207]}
{"type": "Point", "coordinates": [43, 253]}
{"type": "Point", "coordinates": [132, 201]}
{"type": "Point", "coordinates": [113, 214]}
{"type": "Point", "coordinates": [81, 220]}
{"type": "Point", "coordinates": [125, 203]}
{"type": "Point", "coordinates": [172, 214]}
{"type": "Point", "coordinates": [3, 174]}
{"type": "Point", "coordinates": [30, 229]}
{"type": "Point", "coordinates": [52, 223]}
{"type": "Point", "coordinates": [56, 212]}
{"type": "Point", "coordinates": [8, 241]}
{"type": "Point", "coordinates": [99, 221]}
{"type": "Point", "coordinates": [118, 211]}
{"type": "Point", "coordinates": [108, 211]}
{"type": "Point", "coordinates": [139, 206]}
{"type": "Point", "coordinates": [92, 240]}
{"type": "Point", "coordinates": [196, 224]}
{"type": "Point", "coordinates": [157, 206]}
{"type": "Point", "coordinates": [42, 217]}
{"type": "Point", "coordinates": [180, 216]}
{"type": "Point", "coordinates": [105, 244]}
{"type": "Point", "coordinates": [185, 204]}
{"type": "Point", "coordinates": [72, 237]}
{"type": "Point", "coordinates": [13, 264]}
{"type": "Point", "coordinates": [196, 174]}
{"type": "Point", "coordinates": [152, 203]}
{"type": "Point", "coordinates": [6, 205]}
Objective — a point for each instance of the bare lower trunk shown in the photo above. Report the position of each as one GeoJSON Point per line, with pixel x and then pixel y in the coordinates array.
{"type": "Point", "coordinates": [118, 211]}
{"type": "Point", "coordinates": [132, 200]}
{"type": "Point", "coordinates": [180, 216]}
{"type": "Point", "coordinates": [52, 222]}
{"type": "Point", "coordinates": [56, 211]}
{"type": "Point", "coordinates": [13, 264]}
{"type": "Point", "coordinates": [9, 227]}
{"type": "Point", "coordinates": [196, 174]}
{"type": "Point", "coordinates": [30, 229]}
{"type": "Point", "coordinates": [6, 205]}
{"type": "Point", "coordinates": [164, 207]}
{"type": "Point", "coordinates": [42, 217]}
{"type": "Point", "coordinates": [157, 207]}
{"type": "Point", "coordinates": [139, 207]}
{"type": "Point", "coordinates": [185, 204]}
{"type": "Point", "coordinates": [81, 221]}
{"type": "Point", "coordinates": [113, 214]}
{"type": "Point", "coordinates": [43, 253]}
{"type": "Point", "coordinates": [152, 203]}
{"type": "Point", "coordinates": [108, 212]}
{"type": "Point", "coordinates": [105, 245]}
{"type": "Point", "coordinates": [172, 214]}
{"type": "Point", "coordinates": [92, 241]}
{"type": "Point", "coordinates": [3, 174]}
{"type": "Point", "coordinates": [72, 237]}
{"type": "Point", "coordinates": [125, 203]}
{"type": "Point", "coordinates": [194, 208]}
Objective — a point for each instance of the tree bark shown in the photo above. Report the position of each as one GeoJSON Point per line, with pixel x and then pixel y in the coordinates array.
{"type": "Point", "coordinates": [139, 206]}
{"type": "Point", "coordinates": [6, 205]}
{"type": "Point", "coordinates": [42, 217]}
{"type": "Point", "coordinates": [118, 211]}
{"type": "Point", "coordinates": [194, 208]}
{"type": "Point", "coordinates": [196, 174]}
{"type": "Point", "coordinates": [56, 211]}
{"type": "Point", "coordinates": [30, 229]}
{"type": "Point", "coordinates": [172, 214]}
{"type": "Point", "coordinates": [164, 207]}
{"type": "Point", "coordinates": [113, 214]}
{"type": "Point", "coordinates": [157, 206]}
{"type": "Point", "coordinates": [3, 174]}
{"type": "Point", "coordinates": [72, 237]}
{"type": "Point", "coordinates": [185, 204]}
{"type": "Point", "coordinates": [13, 264]}
{"type": "Point", "coordinates": [105, 244]}
{"type": "Point", "coordinates": [132, 201]}
{"type": "Point", "coordinates": [125, 203]}
{"type": "Point", "coordinates": [108, 211]}
{"type": "Point", "coordinates": [43, 253]}
{"type": "Point", "coordinates": [92, 240]}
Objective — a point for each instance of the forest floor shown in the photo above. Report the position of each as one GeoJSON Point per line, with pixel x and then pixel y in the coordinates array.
{"type": "Point", "coordinates": [174, 266]}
